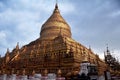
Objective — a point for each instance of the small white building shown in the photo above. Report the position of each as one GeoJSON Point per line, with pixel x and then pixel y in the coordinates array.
{"type": "Point", "coordinates": [84, 67]}
{"type": "Point", "coordinates": [90, 70]}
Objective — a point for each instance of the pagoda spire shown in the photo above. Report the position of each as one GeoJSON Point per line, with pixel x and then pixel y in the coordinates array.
{"type": "Point", "coordinates": [8, 50]}
{"type": "Point", "coordinates": [50, 29]}
{"type": "Point", "coordinates": [107, 51]}
{"type": "Point", "coordinates": [17, 46]}
{"type": "Point", "coordinates": [56, 6]}
{"type": "Point", "coordinates": [56, 10]}
{"type": "Point", "coordinates": [7, 57]}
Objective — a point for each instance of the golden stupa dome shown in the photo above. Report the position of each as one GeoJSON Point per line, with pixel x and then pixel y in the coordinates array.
{"type": "Point", "coordinates": [54, 26]}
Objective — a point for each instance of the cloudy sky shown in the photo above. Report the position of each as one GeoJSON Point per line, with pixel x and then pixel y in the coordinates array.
{"type": "Point", "coordinates": [93, 22]}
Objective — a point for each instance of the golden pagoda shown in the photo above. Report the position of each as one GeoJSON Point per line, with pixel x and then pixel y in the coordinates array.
{"type": "Point", "coordinates": [54, 50]}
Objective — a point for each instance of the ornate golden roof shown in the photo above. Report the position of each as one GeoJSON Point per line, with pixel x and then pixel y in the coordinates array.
{"type": "Point", "coordinates": [54, 26]}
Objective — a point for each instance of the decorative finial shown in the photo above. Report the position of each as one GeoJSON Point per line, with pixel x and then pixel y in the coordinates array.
{"type": "Point", "coordinates": [7, 53]}
{"type": "Point", "coordinates": [56, 6]}
{"type": "Point", "coordinates": [108, 51]}
{"type": "Point", "coordinates": [8, 50]}
{"type": "Point", "coordinates": [17, 46]}
{"type": "Point", "coordinates": [107, 48]}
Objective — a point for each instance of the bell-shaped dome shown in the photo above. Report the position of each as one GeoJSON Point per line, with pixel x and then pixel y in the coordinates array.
{"type": "Point", "coordinates": [54, 26]}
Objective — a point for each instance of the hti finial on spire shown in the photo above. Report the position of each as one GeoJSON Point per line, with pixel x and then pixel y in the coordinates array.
{"type": "Point", "coordinates": [56, 6]}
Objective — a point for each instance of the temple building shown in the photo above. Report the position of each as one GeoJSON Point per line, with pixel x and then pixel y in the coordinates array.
{"type": "Point", "coordinates": [54, 51]}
